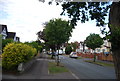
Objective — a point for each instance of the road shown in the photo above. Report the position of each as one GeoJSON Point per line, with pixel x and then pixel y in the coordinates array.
{"type": "Point", "coordinates": [84, 70]}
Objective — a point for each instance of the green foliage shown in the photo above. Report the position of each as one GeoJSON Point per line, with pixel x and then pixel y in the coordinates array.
{"type": "Point", "coordinates": [68, 49]}
{"type": "Point", "coordinates": [94, 41]}
{"type": "Point", "coordinates": [74, 45]}
{"type": "Point", "coordinates": [5, 42]}
{"type": "Point", "coordinates": [85, 11]}
{"type": "Point", "coordinates": [16, 53]}
{"type": "Point", "coordinates": [35, 44]}
{"type": "Point", "coordinates": [56, 69]}
{"type": "Point", "coordinates": [56, 32]}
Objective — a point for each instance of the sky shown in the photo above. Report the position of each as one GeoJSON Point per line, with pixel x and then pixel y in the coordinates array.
{"type": "Point", "coordinates": [25, 17]}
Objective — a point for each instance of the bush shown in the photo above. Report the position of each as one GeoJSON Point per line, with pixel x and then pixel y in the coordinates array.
{"type": "Point", "coordinates": [16, 53]}
{"type": "Point", "coordinates": [34, 44]}
{"type": "Point", "coordinates": [68, 49]}
{"type": "Point", "coordinates": [40, 48]}
{"type": "Point", "coordinates": [6, 41]}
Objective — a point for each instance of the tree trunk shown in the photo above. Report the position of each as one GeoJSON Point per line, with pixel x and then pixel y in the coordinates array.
{"type": "Point", "coordinates": [58, 57]}
{"type": "Point", "coordinates": [114, 21]}
{"type": "Point", "coordinates": [94, 59]}
{"type": "Point", "coordinates": [116, 57]}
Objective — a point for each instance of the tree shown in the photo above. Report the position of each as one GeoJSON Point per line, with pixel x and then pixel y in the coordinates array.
{"type": "Point", "coordinates": [74, 45]}
{"type": "Point", "coordinates": [85, 11]}
{"type": "Point", "coordinates": [94, 41]}
{"type": "Point", "coordinates": [56, 32]}
{"type": "Point", "coordinates": [36, 45]}
{"type": "Point", "coordinates": [68, 49]}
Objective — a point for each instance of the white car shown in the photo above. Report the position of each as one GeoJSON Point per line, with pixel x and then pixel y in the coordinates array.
{"type": "Point", "coordinates": [73, 55]}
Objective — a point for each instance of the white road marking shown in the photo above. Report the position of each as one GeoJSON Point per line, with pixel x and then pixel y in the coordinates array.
{"type": "Point", "coordinates": [74, 75]}
{"type": "Point", "coordinates": [48, 72]}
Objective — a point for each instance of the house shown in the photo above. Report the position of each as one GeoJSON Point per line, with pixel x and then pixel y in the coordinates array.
{"type": "Point", "coordinates": [3, 31]}
{"type": "Point", "coordinates": [8, 35]}
{"type": "Point", "coordinates": [12, 35]}
{"type": "Point", "coordinates": [106, 47]}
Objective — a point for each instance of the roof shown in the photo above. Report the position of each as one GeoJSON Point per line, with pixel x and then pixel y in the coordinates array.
{"type": "Point", "coordinates": [11, 35]}
{"type": "Point", "coordinates": [2, 27]}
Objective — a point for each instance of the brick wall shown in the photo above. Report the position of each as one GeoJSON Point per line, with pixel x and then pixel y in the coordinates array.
{"type": "Point", "coordinates": [100, 56]}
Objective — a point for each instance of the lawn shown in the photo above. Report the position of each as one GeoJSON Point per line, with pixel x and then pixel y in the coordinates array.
{"type": "Point", "coordinates": [100, 63]}
{"type": "Point", "coordinates": [53, 68]}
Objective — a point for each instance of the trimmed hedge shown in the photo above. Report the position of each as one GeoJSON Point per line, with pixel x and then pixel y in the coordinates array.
{"type": "Point", "coordinates": [16, 53]}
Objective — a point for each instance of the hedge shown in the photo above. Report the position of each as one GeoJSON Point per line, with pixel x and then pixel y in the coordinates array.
{"type": "Point", "coordinates": [16, 53]}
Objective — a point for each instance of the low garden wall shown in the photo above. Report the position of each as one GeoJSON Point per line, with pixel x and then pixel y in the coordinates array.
{"type": "Point", "coordinates": [22, 67]}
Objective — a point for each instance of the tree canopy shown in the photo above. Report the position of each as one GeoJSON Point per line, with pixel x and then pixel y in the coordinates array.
{"type": "Point", "coordinates": [56, 32]}
{"type": "Point", "coordinates": [68, 49]}
{"type": "Point", "coordinates": [85, 11]}
{"type": "Point", "coordinates": [93, 41]}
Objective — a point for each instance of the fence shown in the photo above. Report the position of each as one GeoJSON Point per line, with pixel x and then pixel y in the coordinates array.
{"type": "Point", "coordinates": [100, 56]}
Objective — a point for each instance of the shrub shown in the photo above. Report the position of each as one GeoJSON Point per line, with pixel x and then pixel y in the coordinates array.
{"type": "Point", "coordinates": [16, 53]}
{"type": "Point", "coordinates": [6, 41]}
{"type": "Point", "coordinates": [40, 48]}
{"type": "Point", "coordinates": [35, 44]}
{"type": "Point", "coordinates": [68, 49]}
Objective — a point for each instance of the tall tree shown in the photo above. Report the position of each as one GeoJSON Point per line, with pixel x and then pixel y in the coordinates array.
{"type": "Point", "coordinates": [94, 41]}
{"type": "Point", "coordinates": [56, 32]}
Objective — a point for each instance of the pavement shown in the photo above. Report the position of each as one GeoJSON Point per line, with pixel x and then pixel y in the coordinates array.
{"type": "Point", "coordinates": [39, 70]}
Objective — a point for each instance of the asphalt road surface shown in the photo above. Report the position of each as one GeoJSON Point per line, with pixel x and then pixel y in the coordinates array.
{"type": "Point", "coordinates": [84, 70]}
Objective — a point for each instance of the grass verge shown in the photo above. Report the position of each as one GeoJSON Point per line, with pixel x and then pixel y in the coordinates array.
{"type": "Point", "coordinates": [53, 68]}
{"type": "Point", "coordinates": [79, 58]}
{"type": "Point", "coordinates": [100, 63]}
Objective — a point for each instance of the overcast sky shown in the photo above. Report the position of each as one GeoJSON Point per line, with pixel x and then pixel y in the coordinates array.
{"type": "Point", "coordinates": [25, 17]}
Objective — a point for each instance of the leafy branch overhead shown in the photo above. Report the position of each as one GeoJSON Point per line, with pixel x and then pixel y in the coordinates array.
{"type": "Point", "coordinates": [85, 11]}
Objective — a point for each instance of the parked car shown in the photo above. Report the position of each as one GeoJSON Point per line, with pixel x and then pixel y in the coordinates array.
{"type": "Point", "coordinates": [73, 55]}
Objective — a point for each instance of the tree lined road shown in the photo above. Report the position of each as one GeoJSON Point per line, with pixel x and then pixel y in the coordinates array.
{"type": "Point", "coordinates": [84, 70]}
